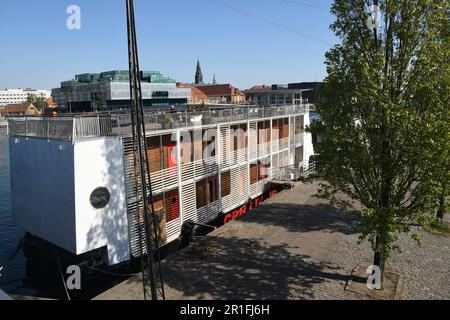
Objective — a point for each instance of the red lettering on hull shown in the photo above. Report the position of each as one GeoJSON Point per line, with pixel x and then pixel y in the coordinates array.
{"type": "Point", "coordinates": [248, 207]}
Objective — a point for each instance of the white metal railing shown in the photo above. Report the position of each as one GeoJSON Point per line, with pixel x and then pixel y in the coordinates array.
{"type": "Point", "coordinates": [258, 187]}
{"type": "Point", "coordinates": [208, 212]}
{"type": "Point", "coordinates": [299, 139]}
{"type": "Point", "coordinates": [198, 168]}
{"type": "Point", "coordinates": [284, 143]}
{"type": "Point", "coordinates": [80, 128]}
{"type": "Point", "coordinates": [293, 173]}
{"type": "Point", "coordinates": [263, 149]}
{"type": "Point", "coordinates": [164, 179]}
{"type": "Point", "coordinates": [238, 156]}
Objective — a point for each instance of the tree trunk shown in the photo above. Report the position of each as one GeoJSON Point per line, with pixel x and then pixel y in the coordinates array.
{"type": "Point", "coordinates": [441, 210]}
{"type": "Point", "coordinates": [379, 260]}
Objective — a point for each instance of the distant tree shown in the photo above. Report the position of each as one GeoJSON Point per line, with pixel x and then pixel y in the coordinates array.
{"type": "Point", "coordinates": [40, 102]}
{"type": "Point", "coordinates": [385, 129]}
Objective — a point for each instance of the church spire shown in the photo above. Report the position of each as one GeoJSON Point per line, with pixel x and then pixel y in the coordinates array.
{"type": "Point", "coordinates": [198, 73]}
{"type": "Point", "coordinates": [214, 79]}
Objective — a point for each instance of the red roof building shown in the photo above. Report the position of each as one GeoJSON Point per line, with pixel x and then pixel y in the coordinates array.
{"type": "Point", "coordinates": [23, 109]}
{"type": "Point", "coordinates": [222, 93]}
{"type": "Point", "coordinates": [197, 96]}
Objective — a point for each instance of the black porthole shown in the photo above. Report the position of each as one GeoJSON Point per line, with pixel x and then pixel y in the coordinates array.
{"type": "Point", "coordinates": [100, 198]}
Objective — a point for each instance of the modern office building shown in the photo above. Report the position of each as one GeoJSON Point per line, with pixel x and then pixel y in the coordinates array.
{"type": "Point", "coordinates": [284, 94]}
{"type": "Point", "coordinates": [14, 96]}
{"type": "Point", "coordinates": [205, 165]}
{"type": "Point", "coordinates": [110, 90]}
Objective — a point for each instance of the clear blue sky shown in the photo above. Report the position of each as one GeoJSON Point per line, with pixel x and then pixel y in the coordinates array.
{"type": "Point", "coordinates": [245, 42]}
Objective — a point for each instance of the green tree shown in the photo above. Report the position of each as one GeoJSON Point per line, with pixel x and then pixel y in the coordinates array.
{"type": "Point", "coordinates": [38, 101]}
{"type": "Point", "coordinates": [385, 115]}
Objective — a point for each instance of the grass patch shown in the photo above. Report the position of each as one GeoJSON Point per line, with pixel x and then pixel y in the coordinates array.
{"type": "Point", "coordinates": [438, 227]}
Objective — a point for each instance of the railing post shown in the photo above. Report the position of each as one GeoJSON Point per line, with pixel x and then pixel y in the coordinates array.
{"type": "Point", "coordinates": [219, 165]}
{"type": "Point", "coordinates": [98, 126]}
{"type": "Point", "coordinates": [271, 146]}
{"type": "Point", "coordinates": [73, 129]}
{"type": "Point", "coordinates": [289, 140]}
{"type": "Point", "coordinates": [247, 184]}
{"type": "Point", "coordinates": [180, 189]}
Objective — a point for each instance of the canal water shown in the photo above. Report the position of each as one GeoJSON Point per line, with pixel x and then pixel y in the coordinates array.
{"type": "Point", "coordinates": [9, 234]}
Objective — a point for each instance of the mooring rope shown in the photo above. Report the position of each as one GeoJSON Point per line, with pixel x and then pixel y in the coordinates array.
{"type": "Point", "coordinates": [62, 276]}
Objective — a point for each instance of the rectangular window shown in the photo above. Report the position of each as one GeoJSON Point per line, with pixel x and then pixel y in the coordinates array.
{"type": "Point", "coordinates": [168, 204]}
{"type": "Point", "coordinates": [263, 170]}
{"type": "Point", "coordinates": [289, 99]}
{"type": "Point", "coordinates": [207, 191]}
{"type": "Point", "coordinates": [154, 155]}
{"type": "Point", "coordinates": [226, 183]}
{"type": "Point", "coordinates": [267, 130]}
{"type": "Point", "coordinates": [280, 99]}
{"type": "Point", "coordinates": [273, 99]}
{"type": "Point", "coordinates": [201, 194]}
{"type": "Point", "coordinates": [253, 173]}
{"type": "Point", "coordinates": [263, 131]}
{"type": "Point", "coordinates": [275, 130]}
{"type": "Point", "coordinates": [239, 139]}
{"type": "Point", "coordinates": [161, 152]}
{"type": "Point", "coordinates": [286, 128]}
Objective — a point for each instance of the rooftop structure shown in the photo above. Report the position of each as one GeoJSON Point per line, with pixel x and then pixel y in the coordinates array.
{"type": "Point", "coordinates": [284, 94]}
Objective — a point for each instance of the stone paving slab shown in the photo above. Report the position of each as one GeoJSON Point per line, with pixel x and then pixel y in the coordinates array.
{"type": "Point", "coordinates": [294, 246]}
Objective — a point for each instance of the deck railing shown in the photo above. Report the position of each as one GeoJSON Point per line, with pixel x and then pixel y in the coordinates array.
{"type": "Point", "coordinates": [290, 173]}
{"type": "Point", "coordinates": [78, 128]}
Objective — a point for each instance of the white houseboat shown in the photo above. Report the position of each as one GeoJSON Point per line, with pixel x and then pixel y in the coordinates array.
{"type": "Point", "coordinates": [73, 183]}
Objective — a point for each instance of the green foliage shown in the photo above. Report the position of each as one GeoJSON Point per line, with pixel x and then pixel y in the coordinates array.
{"type": "Point", "coordinates": [436, 225]}
{"type": "Point", "coordinates": [39, 102]}
{"type": "Point", "coordinates": [385, 130]}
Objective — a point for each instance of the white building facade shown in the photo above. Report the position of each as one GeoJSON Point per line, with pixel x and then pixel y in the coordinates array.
{"type": "Point", "coordinates": [13, 96]}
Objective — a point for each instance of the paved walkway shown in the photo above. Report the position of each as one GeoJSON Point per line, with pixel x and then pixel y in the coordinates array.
{"type": "Point", "coordinates": [294, 246]}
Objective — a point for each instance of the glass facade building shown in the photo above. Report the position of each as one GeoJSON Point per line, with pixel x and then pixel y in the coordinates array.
{"type": "Point", "coordinates": [110, 90]}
